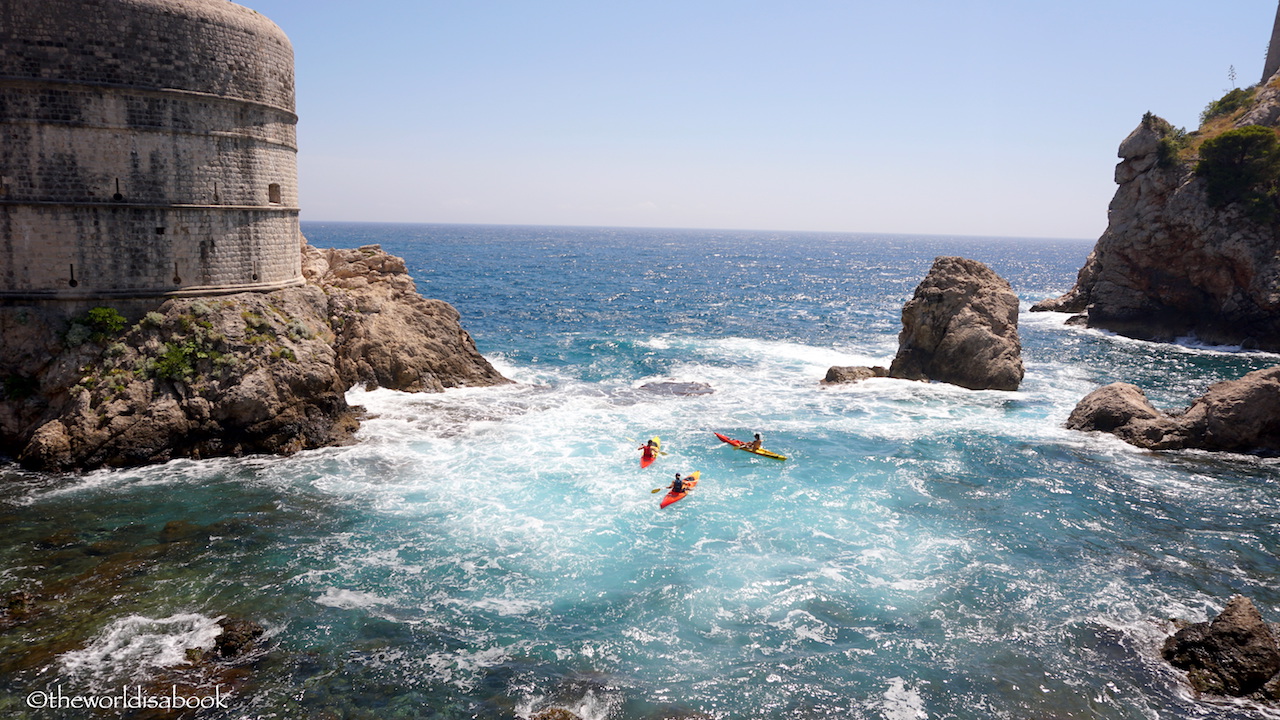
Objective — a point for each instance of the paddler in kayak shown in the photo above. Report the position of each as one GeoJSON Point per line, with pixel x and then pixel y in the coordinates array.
{"type": "Point", "coordinates": [754, 444]}
{"type": "Point", "coordinates": [677, 485]}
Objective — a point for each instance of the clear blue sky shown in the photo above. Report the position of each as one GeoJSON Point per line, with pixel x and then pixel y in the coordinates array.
{"type": "Point", "coordinates": [998, 117]}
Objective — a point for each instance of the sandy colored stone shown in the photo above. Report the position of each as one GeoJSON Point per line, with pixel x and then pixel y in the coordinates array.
{"type": "Point", "coordinates": [961, 327]}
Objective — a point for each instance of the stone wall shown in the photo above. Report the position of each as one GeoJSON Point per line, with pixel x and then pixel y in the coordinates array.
{"type": "Point", "coordinates": [149, 149]}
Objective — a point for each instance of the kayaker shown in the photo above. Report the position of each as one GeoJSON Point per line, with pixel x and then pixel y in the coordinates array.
{"type": "Point", "coordinates": [754, 444]}
{"type": "Point", "coordinates": [651, 447]}
{"type": "Point", "coordinates": [677, 485]}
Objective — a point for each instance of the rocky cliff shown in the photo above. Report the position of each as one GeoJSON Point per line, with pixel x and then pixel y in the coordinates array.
{"type": "Point", "coordinates": [244, 373]}
{"type": "Point", "coordinates": [1176, 258]}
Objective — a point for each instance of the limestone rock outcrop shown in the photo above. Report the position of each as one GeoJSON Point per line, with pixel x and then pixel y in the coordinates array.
{"type": "Point", "coordinates": [961, 327]}
{"type": "Point", "coordinates": [1170, 264]}
{"type": "Point", "coordinates": [228, 375]}
{"type": "Point", "coordinates": [1234, 654]}
{"type": "Point", "coordinates": [842, 374]}
{"type": "Point", "coordinates": [1233, 416]}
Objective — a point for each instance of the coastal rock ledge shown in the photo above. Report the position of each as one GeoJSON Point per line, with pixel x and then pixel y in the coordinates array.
{"type": "Point", "coordinates": [226, 375]}
{"type": "Point", "coordinates": [1233, 416]}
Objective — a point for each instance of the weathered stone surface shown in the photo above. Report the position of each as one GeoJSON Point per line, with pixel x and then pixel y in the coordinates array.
{"type": "Point", "coordinates": [1233, 654]}
{"type": "Point", "coordinates": [678, 388]}
{"type": "Point", "coordinates": [840, 374]}
{"type": "Point", "coordinates": [237, 639]}
{"type": "Point", "coordinates": [961, 327]}
{"type": "Point", "coordinates": [1233, 416]}
{"type": "Point", "coordinates": [1123, 410]}
{"type": "Point", "coordinates": [243, 373]}
{"type": "Point", "coordinates": [387, 335]}
{"type": "Point", "coordinates": [1169, 265]}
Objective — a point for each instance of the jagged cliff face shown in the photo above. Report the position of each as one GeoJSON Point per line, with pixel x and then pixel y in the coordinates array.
{"type": "Point", "coordinates": [1169, 264]}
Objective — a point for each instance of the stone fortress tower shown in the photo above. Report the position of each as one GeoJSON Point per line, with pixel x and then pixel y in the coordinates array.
{"type": "Point", "coordinates": [148, 149]}
{"type": "Point", "coordinates": [1273, 50]}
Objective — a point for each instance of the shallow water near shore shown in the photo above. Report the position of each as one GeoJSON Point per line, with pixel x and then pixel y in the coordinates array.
{"type": "Point", "coordinates": [925, 552]}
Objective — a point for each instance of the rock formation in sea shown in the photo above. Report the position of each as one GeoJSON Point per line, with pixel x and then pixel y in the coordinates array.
{"type": "Point", "coordinates": [1192, 237]}
{"type": "Point", "coordinates": [1232, 416]}
{"type": "Point", "coordinates": [961, 327]}
{"type": "Point", "coordinates": [1234, 654]}
{"type": "Point", "coordinates": [842, 374]}
{"type": "Point", "coordinates": [243, 373]}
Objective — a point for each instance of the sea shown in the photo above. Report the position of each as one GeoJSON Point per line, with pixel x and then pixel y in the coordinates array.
{"type": "Point", "coordinates": [925, 551]}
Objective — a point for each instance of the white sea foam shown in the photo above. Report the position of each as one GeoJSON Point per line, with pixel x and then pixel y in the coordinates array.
{"type": "Point", "coordinates": [350, 599]}
{"type": "Point", "coordinates": [132, 646]}
{"type": "Point", "coordinates": [900, 702]}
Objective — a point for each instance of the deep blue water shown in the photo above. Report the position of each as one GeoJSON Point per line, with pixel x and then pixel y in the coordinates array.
{"type": "Point", "coordinates": [925, 551]}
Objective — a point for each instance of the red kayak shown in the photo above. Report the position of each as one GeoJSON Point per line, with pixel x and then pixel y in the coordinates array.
{"type": "Point", "coordinates": [689, 482]}
{"type": "Point", "coordinates": [650, 451]}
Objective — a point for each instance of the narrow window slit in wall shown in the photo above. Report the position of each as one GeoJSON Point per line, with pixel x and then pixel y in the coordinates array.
{"type": "Point", "coordinates": [273, 193]}
{"type": "Point", "coordinates": [117, 197]}
{"type": "Point", "coordinates": [160, 231]}
{"type": "Point", "coordinates": [177, 279]}
{"type": "Point", "coordinates": [73, 282]}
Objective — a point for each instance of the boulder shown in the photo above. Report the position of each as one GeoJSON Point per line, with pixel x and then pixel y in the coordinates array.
{"type": "Point", "coordinates": [841, 374]}
{"type": "Point", "coordinates": [961, 327]}
{"type": "Point", "coordinates": [1123, 410]}
{"type": "Point", "coordinates": [1234, 654]}
{"type": "Point", "coordinates": [1232, 416]}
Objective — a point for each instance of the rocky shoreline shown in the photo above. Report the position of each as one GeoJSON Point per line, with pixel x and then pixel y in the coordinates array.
{"type": "Point", "coordinates": [1175, 259]}
{"type": "Point", "coordinates": [228, 375]}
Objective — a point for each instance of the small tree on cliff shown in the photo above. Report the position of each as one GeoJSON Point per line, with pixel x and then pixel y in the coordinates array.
{"type": "Point", "coordinates": [1242, 166]}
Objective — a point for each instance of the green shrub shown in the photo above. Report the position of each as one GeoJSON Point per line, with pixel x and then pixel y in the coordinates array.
{"type": "Point", "coordinates": [1173, 140]}
{"type": "Point", "coordinates": [1227, 104]}
{"type": "Point", "coordinates": [105, 320]}
{"type": "Point", "coordinates": [175, 363]}
{"type": "Point", "coordinates": [20, 387]}
{"type": "Point", "coordinates": [178, 361]}
{"type": "Point", "coordinates": [1242, 166]}
{"type": "Point", "coordinates": [298, 330]}
{"type": "Point", "coordinates": [98, 324]}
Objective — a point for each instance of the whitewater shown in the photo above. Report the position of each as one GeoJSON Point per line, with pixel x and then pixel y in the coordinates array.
{"type": "Point", "coordinates": [926, 551]}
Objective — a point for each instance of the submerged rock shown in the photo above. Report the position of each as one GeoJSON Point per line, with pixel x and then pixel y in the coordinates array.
{"type": "Point", "coordinates": [961, 327]}
{"type": "Point", "coordinates": [227, 375]}
{"type": "Point", "coordinates": [1232, 416]}
{"type": "Point", "coordinates": [678, 388]}
{"type": "Point", "coordinates": [237, 639]}
{"type": "Point", "coordinates": [1234, 654]}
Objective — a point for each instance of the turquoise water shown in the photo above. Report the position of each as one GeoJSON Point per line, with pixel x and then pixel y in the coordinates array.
{"type": "Point", "coordinates": [926, 551]}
